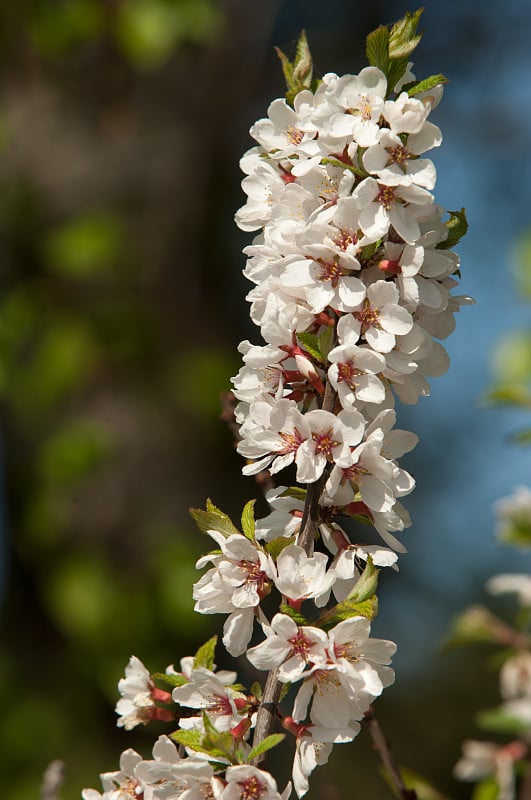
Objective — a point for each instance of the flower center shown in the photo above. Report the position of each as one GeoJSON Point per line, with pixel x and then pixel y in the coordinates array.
{"type": "Point", "coordinates": [346, 372]}
{"type": "Point", "coordinates": [251, 789]}
{"type": "Point", "coordinates": [344, 239]}
{"type": "Point", "coordinates": [330, 271]}
{"type": "Point", "coordinates": [324, 443]}
{"type": "Point", "coordinates": [398, 154]}
{"type": "Point", "coordinates": [293, 135]}
{"type": "Point", "coordinates": [386, 195]}
{"type": "Point", "coordinates": [293, 441]}
{"type": "Point", "coordinates": [219, 704]}
{"type": "Point", "coordinates": [300, 645]}
{"type": "Point", "coordinates": [368, 316]}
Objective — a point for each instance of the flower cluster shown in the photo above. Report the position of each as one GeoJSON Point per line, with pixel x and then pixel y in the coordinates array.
{"type": "Point", "coordinates": [484, 761]}
{"type": "Point", "coordinates": [352, 292]}
{"type": "Point", "coordinates": [353, 278]}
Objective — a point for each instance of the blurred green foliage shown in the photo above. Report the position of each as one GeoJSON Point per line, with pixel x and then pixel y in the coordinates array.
{"type": "Point", "coordinates": [101, 559]}
{"type": "Point", "coordinates": [511, 359]}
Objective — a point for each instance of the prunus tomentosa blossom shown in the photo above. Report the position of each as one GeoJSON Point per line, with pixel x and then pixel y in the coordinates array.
{"type": "Point", "coordinates": [353, 274]}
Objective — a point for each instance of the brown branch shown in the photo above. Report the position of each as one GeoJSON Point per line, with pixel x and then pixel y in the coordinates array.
{"type": "Point", "coordinates": [265, 718]}
{"type": "Point", "coordinates": [381, 745]}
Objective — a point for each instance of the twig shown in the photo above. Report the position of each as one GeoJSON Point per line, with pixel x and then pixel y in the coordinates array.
{"type": "Point", "coordinates": [381, 745]}
{"type": "Point", "coordinates": [265, 718]}
{"type": "Point", "coordinates": [52, 780]}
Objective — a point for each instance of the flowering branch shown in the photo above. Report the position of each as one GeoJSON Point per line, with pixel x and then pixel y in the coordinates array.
{"type": "Point", "coordinates": [352, 277]}
{"type": "Point", "coordinates": [381, 745]}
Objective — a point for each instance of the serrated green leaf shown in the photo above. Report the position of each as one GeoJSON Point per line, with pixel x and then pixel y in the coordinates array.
{"type": "Point", "coordinates": [189, 738]}
{"type": "Point", "coordinates": [277, 545]}
{"type": "Point", "coordinates": [426, 84]}
{"type": "Point", "coordinates": [377, 48]}
{"type": "Point", "coordinates": [256, 690]}
{"type": "Point", "coordinates": [248, 523]}
{"type": "Point", "coordinates": [205, 655]}
{"type": "Point", "coordinates": [297, 73]}
{"type": "Point", "coordinates": [403, 37]}
{"type": "Point", "coordinates": [326, 342]}
{"type": "Point", "coordinates": [212, 519]}
{"type": "Point", "coordinates": [495, 720]}
{"type": "Point", "coordinates": [302, 65]}
{"type": "Point", "coordinates": [265, 745]}
{"type": "Point", "coordinates": [457, 227]}
{"type": "Point", "coordinates": [287, 66]}
{"type": "Point", "coordinates": [297, 492]}
{"type": "Point", "coordinates": [170, 680]}
{"type": "Point", "coordinates": [310, 342]}
{"type": "Point", "coordinates": [296, 616]}
{"type": "Point", "coordinates": [486, 790]}
{"type": "Point", "coordinates": [346, 609]}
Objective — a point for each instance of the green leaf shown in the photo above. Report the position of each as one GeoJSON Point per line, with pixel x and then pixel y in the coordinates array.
{"type": "Point", "coordinates": [426, 84]}
{"type": "Point", "coordinates": [367, 583]}
{"type": "Point", "coordinates": [496, 721]}
{"type": "Point", "coordinates": [377, 48]}
{"type": "Point", "coordinates": [297, 73]}
{"type": "Point", "coordinates": [284, 690]}
{"type": "Point", "coordinates": [248, 523]}
{"type": "Point", "coordinates": [510, 395]}
{"type": "Point", "coordinates": [326, 342]}
{"type": "Point", "coordinates": [296, 616]}
{"type": "Point", "coordinates": [189, 738]}
{"type": "Point", "coordinates": [205, 655]}
{"type": "Point", "coordinates": [457, 227]}
{"type": "Point", "coordinates": [256, 690]}
{"type": "Point", "coordinates": [212, 519]}
{"type": "Point", "coordinates": [476, 624]}
{"type": "Point", "coordinates": [346, 609]}
{"type": "Point", "coordinates": [310, 342]}
{"type": "Point", "coordinates": [171, 679]}
{"type": "Point", "coordinates": [486, 790]}
{"type": "Point", "coordinates": [297, 492]}
{"type": "Point", "coordinates": [403, 38]}
{"type": "Point", "coordinates": [265, 745]}
{"type": "Point", "coordinates": [277, 545]}
{"type": "Point", "coordinates": [522, 437]}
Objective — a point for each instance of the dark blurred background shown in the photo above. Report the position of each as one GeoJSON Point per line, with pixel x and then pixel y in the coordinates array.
{"type": "Point", "coordinates": [121, 305]}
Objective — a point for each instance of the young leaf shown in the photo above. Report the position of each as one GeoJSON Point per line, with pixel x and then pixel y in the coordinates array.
{"type": "Point", "coordinates": [213, 519]}
{"type": "Point", "coordinates": [366, 585]}
{"type": "Point", "coordinates": [496, 721]}
{"type": "Point", "coordinates": [457, 227]}
{"type": "Point", "coordinates": [377, 48]}
{"type": "Point", "coordinates": [205, 655]}
{"type": "Point", "coordinates": [486, 790]}
{"type": "Point", "coordinates": [189, 738]}
{"type": "Point", "coordinates": [297, 73]}
{"type": "Point", "coordinates": [326, 341]}
{"type": "Point", "coordinates": [297, 492]}
{"type": "Point", "coordinates": [248, 523]}
{"type": "Point", "coordinates": [296, 616]}
{"type": "Point", "coordinates": [310, 342]}
{"type": "Point", "coordinates": [171, 679]}
{"type": "Point", "coordinates": [276, 546]}
{"type": "Point", "coordinates": [403, 38]}
{"type": "Point", "coordinates": [265, 745]}
{"type": "Point", "coordinates": [367, 608]}
{"type": "Point", "coordinates": [256, 690]}
{"type": "Point", "coordinates": [426, 84]}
